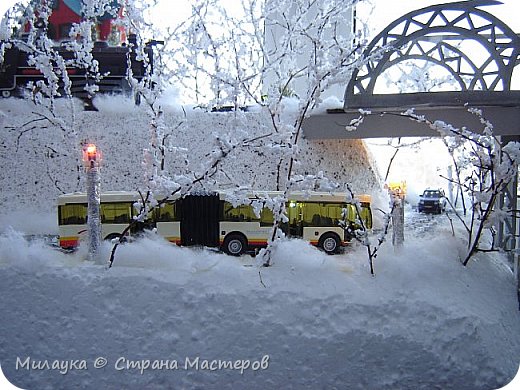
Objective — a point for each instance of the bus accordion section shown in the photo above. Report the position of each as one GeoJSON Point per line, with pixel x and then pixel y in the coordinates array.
{"type": "Point", "coordinates": [326, 220]}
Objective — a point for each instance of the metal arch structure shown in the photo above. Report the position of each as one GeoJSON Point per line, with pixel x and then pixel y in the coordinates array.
{"type": "Point", "coordinates": [427, 34]}
{"type": "Point", "coordinates": [442, 54]}
{"type": "Point", "coordinates": [423, 34]}
{"type": "Point", "coordinates": [430, 34]}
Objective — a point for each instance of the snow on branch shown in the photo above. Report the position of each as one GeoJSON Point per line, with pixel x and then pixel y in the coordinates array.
{"type": "Point", "coordinates": [484, 168]}
{"type": "Point", "coordinates": [279, 56]}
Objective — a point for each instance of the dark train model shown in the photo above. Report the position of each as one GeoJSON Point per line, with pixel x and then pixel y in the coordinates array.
{"type": "Point", "coordinates": [15, 72]}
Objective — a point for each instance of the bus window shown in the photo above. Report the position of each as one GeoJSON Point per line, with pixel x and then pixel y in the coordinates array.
{"type": "Point", "coordinates": [350, 212]}
{"type": "Point", "coordinates": [166, 213]}
{"type": "Point", "coordinates": [241, 213]}
{"type": "Point", "coordinates": [294, 214]}
{"type": "Point", "coordinates": [366, 215]}
{"type": "Point", "coordinates": [332, 213]}
{"type": "Point", "coordinates": [72, 214]}
{"type": "Point", "coordinates": [246, 213]}
{"type": "Point", "coordinates": [311, 214]}
{"type": "Point", "coordinates": [321, 214]}
{"type": "Point", "coordinates": [116, 212]}
{"type": "Point", "coordinates": [266, 217]}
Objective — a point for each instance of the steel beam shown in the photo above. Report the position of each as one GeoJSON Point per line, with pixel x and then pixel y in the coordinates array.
{"type": "Point", "coordinates": [332, 124]}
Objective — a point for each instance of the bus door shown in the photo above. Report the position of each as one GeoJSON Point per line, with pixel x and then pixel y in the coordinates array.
{"type": "Point", "coordinates": [199, 216]}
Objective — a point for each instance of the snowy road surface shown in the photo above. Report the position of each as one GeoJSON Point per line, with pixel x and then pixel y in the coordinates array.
{"type": "Point", "coordinates": [169, 317]}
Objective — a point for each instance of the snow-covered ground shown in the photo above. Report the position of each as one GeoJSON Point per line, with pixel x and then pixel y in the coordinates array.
{"type": "Point", "coordinates": [167, 317]}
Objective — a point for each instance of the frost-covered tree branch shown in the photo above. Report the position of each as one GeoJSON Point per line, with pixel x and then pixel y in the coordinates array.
{"type": "Point", "coordinates": [485, 167]}
{"type": "Point", "coordinates": [164, 188]}
{"type": "Point", "coordinates": [53, 61]}
{"type": "Point", "coordinates": [360, 232]}
{"type": "Point", "coordinates": [397, 144]}
{"type": "Point", "coordinates": [277, 55]}
{"type": "Point", "coordinates": [308, 55]}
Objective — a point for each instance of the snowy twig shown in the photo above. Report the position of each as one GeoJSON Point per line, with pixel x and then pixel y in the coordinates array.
{"type": "Point", "coordinates": [491, 167]}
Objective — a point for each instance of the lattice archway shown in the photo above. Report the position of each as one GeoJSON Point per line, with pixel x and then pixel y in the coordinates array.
{"type": "Point", "coordinates": [431, 34]}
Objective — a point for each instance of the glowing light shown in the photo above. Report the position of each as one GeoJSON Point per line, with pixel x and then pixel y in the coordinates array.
{"type": "Point", "coordinates": [91, 155]}
{"type": "Point", "coordinates": [91, 150]}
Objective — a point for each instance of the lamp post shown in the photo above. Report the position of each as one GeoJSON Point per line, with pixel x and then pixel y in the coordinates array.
{"type": "Point", "coordinates": [92, 163]}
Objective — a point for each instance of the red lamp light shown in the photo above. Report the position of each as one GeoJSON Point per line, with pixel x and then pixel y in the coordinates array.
{"type": "Point", "coordinates": [91, 152]}
{"type": "Point", "coordinates": [91, 155]}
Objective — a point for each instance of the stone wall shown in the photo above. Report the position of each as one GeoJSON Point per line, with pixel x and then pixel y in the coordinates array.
{"type": "Point", "coordinates": [41, 155]}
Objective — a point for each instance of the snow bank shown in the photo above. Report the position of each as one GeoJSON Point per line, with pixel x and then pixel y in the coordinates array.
{"type": "Point", "coordinates": [30, 220]}
{"type": "Point", "coordinates": [309, 321]}
{"type": "Point", "coordinates": [424, 321]}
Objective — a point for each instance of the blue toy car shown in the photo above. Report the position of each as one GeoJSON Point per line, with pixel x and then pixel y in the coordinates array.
{"type": "Point", "coordinates": [432, 201]}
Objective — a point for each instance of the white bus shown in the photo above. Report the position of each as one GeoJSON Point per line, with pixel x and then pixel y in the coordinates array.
{"type": "Point", "coordinates": [211, 220]}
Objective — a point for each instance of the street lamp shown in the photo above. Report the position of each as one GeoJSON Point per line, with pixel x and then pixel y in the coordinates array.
{"type": "Point", "coordinates": [92, 164]}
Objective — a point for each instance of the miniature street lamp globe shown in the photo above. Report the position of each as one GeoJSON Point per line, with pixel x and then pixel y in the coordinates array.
{"type": "Point", "coordinates": [91, 156]}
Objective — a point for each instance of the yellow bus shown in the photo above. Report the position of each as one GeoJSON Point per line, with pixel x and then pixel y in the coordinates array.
{"type": "Point", "coordinates": [116, 212]}
{"type": "Point", "coordinates": [212, 220]}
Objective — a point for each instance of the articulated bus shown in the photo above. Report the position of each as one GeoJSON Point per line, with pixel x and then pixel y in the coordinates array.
{"type": "Point", "coordinates": [212, 221]}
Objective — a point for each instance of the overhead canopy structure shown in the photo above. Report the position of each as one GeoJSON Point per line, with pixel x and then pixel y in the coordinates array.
{"type": "Point", "coordinates": [433, 35]}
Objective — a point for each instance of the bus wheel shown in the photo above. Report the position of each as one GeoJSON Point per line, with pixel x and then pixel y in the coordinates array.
{"type": "Point", "coordinates": [6, 93]}
{"type": "Point", "coordinates": [235, 244]}
{"type": "Point", "coordinates": [329, 242]}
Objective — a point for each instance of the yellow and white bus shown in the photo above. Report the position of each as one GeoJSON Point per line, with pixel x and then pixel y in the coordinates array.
{"type": "Point", "coordinates": [116, 212]}
{"type": "Point", "coordinates": [213, 221]}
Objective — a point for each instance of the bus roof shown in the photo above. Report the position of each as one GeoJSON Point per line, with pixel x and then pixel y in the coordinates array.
{"type": "Point", "coordinates": [311, 196]}
{"type": "Point", "coordinates": [133, 196]}
{"type": "Point", "coordinates": [108, 196]}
